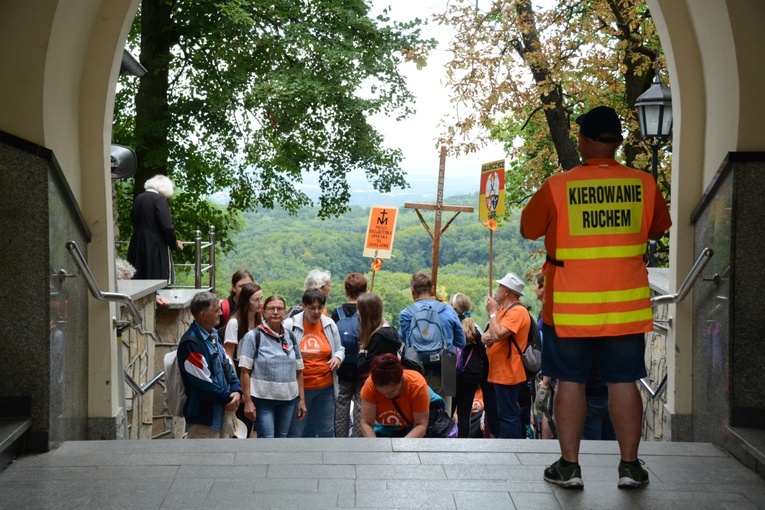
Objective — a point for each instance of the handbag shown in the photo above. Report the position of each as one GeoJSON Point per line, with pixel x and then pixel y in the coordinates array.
{"type": "Point", "coordinates": [440, 424]}
{"type": "Point", "coordinates": [410, 360]}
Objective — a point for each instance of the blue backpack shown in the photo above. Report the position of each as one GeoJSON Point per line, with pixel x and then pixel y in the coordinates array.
{"type": "Point", "coordinates": [426, 335]}
{"type": "Point", "coordinates": [349, 334]}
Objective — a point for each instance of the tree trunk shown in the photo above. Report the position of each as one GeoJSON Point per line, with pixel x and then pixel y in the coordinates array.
{"type": "Point", "coordinates": [636, 53]}
{"type": "Point", "coordinates": [552, 100]}
{"type": "Point", "coordinates": [152, 123]}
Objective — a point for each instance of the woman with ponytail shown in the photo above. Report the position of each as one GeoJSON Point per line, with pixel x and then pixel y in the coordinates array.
{"type": "Point", "coordinates": [376, 336]}
{"type": "Point", "coordinates": [476, 368]}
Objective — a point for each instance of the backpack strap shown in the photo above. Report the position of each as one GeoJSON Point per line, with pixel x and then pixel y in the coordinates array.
{"type": "Point", "coordinates": [257, 342]}
{"type": "Point", "coordinates": [407, 420]}
{"type": "Point", "coordinates": [341, 312]}
{"type": "Point", "coordinates": [225, 308]}
{"type": "Point", "coordinates": [512, 339]}
{"type": "Point", "coordinates": [512, 335]}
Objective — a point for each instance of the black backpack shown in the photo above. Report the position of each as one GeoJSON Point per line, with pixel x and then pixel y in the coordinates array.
{"type": "Point", "coordinates": [532, 356]}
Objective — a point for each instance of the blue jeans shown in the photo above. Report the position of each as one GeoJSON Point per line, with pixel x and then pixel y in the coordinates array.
{"type": "Point", "coordinates": [320, 419]}
{"type": "Point", "coordinates": [508, 411]}
{"type": "Point", "coordinates": [273, 417]}
{"type": "Point", "coordinates": [597, 421]}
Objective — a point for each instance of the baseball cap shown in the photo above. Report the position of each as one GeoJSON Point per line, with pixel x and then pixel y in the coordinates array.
{"type": "Point", "coordinates": [601, 124]}
{"type": "Point", "coordinates": [513, 283]}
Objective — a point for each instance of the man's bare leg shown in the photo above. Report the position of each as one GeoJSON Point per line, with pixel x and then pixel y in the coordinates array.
{"type": "Point", "coordinates": [570, 410]}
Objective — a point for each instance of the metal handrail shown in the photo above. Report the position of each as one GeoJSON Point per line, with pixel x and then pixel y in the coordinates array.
{"type": "Point", "coordinates": [198, 267]}
{"type": "Point", "coordinates": [114, 297]}
{"type": "Point", "coordinates": [137, 387]}
{"type": "Point", "coordinates": [653, 394]}
{"type": "Point", "coordinates": [685, 288]}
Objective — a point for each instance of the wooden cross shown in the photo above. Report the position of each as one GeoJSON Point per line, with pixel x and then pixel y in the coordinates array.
{"type": "Point", "coordinates": [439, 207]}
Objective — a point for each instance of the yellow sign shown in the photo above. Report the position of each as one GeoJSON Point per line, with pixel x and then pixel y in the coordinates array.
{"type": "Point", "coordinates": [605, 206]}
{"type": "Point", "coordinates": [492, 201]}
{"type": "Point", "coordinates": [382, 226]}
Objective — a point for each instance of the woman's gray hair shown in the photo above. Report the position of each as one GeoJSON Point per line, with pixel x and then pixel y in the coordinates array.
{"type": "Point", "coordinates": [317, 278]}
{"type": "Point", "coordinates": [125, 270]}
{"type": "Point", "coordinates": [161, 184]}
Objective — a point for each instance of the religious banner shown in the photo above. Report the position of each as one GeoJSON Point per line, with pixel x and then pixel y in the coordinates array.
{"type": "Point", "coordinates": [382, 226]}
{"type": "Point", "coordinates": [492, 200]}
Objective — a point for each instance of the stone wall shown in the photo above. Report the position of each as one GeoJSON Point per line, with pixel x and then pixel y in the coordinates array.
{"type": "Point", "coordinates": [172, 323]}
{"type": "Point", "coordinates": [656, 362]}
{"type": "Point", "coordinates": [44, 340]}
{"type": "Point", "coordinates": [137, 357]}
{"type": "Point", "coordinates": [143, 353]}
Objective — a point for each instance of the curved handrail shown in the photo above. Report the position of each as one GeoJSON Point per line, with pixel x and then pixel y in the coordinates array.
{"type": "Point", "coordinates": [115, 297]}
{"type": "Point", "coordinates": [659, 389]}
{"type": "Point", "coordinates": [137, 387]}
{"type": "Point", "coordinates": [685, 288]}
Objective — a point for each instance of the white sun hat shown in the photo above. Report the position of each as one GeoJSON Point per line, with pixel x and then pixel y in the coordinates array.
{"type": "Point", "coordinates": [513, 283]}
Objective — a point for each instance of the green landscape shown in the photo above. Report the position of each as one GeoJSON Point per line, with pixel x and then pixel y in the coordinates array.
{"type": "Point", "coordinates": [279, 249]}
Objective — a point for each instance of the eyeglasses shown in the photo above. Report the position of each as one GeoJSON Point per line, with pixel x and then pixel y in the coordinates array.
{"type": "Point", "coordinates": [272, 309]}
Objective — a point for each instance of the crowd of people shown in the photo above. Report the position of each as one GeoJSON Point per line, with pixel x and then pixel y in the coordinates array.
{"type": "Point", "coordinates": [307, 373]}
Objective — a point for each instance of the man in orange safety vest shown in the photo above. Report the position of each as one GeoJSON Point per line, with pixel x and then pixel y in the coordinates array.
{"type": "Point", "coordinates": [596, 219]}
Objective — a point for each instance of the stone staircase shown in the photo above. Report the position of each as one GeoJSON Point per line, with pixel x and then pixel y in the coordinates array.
{"type": "Point", "coordinates": [15, 421]}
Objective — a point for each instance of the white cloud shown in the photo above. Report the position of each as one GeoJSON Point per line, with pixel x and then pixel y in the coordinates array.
{"type": "Point", "coordinates": [417, 135]}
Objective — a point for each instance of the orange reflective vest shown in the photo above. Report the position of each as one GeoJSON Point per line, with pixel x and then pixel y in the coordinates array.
{"type": "Point", "coordinates": [601, 282]}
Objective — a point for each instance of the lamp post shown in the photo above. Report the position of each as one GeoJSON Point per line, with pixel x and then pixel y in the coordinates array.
{"type": "Point", "coordinates": [654, 108]}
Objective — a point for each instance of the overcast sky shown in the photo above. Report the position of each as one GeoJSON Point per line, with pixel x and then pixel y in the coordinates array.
{"type": "Point", "coordinates": [417, 135]}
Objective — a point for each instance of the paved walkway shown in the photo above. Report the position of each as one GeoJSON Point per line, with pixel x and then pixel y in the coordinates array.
{"type": "Point", "coordinates": [367, 473]}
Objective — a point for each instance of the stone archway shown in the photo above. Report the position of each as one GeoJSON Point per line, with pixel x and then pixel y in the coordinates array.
{"type": "Point", "coordinates": [60, 62]}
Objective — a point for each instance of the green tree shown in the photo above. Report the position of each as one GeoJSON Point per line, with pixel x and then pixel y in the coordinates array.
{"type": "Point", "coordinates": [525, 73]}
{"type": "Point", "coordinates": [246, 95]}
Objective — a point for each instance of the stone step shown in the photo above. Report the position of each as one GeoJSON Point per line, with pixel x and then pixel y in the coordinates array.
{"type": "Point", "coordinates": [12, 430]}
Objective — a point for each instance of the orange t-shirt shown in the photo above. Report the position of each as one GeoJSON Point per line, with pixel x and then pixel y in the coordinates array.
{"type": "Point", "coordinates": [478, 405]}
{"type": "Point", "coordinates": [316, 352]}
{"type": "Point", "coordinates": [504, 370]}
{"type": "Point", "coordinates": [414, 399]}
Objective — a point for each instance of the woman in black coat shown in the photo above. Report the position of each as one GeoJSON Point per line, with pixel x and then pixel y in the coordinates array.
{"type": "Point", "coordinates": [153, 232]}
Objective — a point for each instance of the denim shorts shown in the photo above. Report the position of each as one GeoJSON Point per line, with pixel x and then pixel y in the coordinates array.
{"type": "Point", "coordinates": [620, 359]}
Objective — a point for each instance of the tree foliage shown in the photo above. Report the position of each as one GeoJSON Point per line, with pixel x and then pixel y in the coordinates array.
{"type": "Point", "coordinates": [522, 74]}
{"type": "Point", "coordinates": [247, 95]}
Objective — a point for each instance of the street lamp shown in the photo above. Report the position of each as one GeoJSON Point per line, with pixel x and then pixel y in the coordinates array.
{"type": "Point", "coordinates": [654, 108]}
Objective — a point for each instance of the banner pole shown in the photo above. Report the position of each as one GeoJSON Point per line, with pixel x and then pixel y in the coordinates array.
{"type": "Point", "coordinates": [491, 262]}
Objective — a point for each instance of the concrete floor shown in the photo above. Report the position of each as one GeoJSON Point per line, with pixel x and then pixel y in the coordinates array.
{"type": "Point", "coordinates": [367, 473]}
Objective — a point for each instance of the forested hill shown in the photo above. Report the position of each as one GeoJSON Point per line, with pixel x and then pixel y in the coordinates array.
{"type": "Point", "coordinates": [280, 249]}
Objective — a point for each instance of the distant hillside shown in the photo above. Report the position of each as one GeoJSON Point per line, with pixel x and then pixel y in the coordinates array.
{"type": "Point", "coordinates": [280, 249]}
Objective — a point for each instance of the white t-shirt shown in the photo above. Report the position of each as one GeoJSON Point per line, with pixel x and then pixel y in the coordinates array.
{"type": "Point", "coordinates": [230, 335]}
